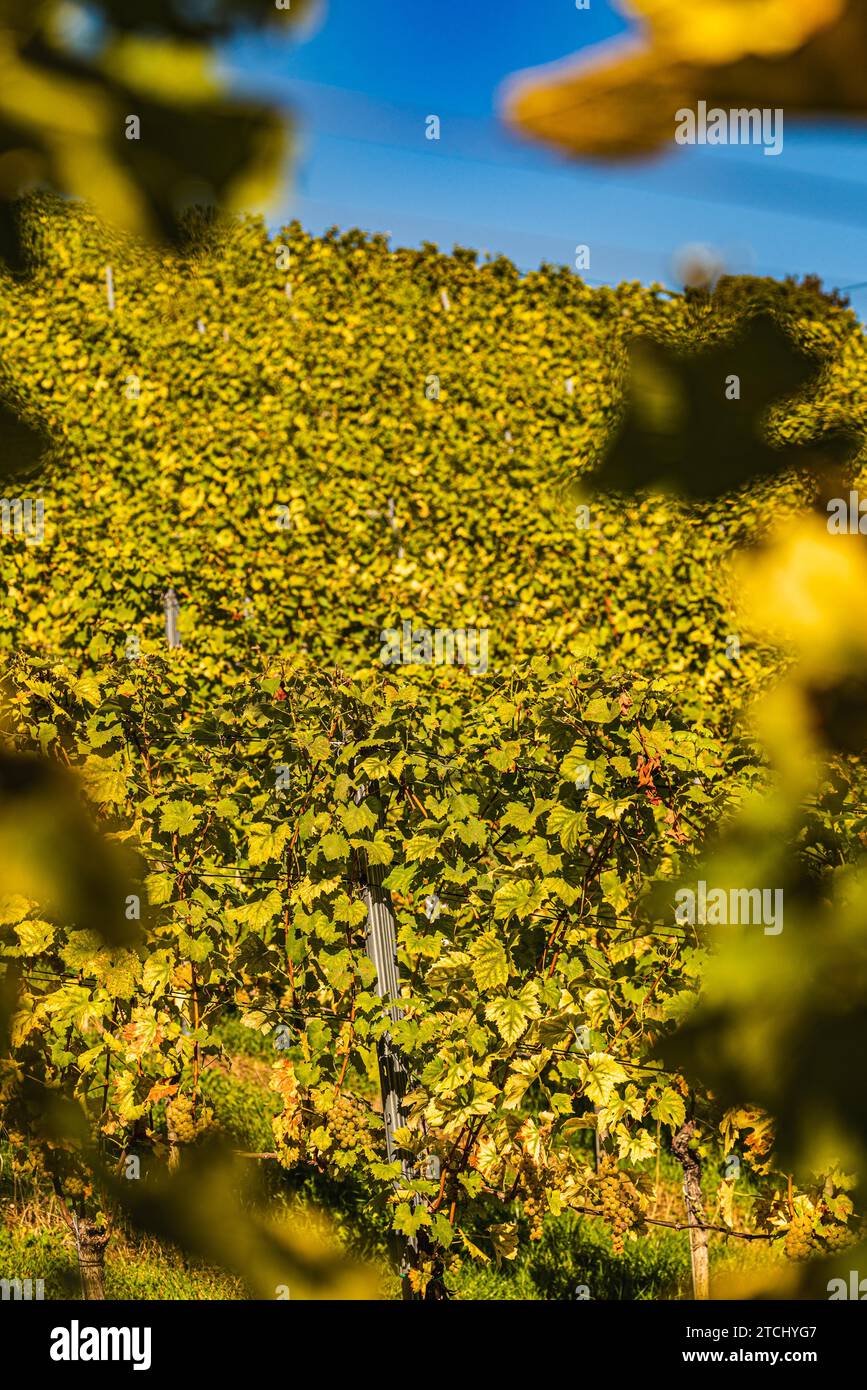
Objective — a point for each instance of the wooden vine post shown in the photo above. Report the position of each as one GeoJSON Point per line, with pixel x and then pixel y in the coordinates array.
{"type": "Point", "coordinates": [91, 1259]}
{"type": "Point", "coordinates": [91, 1238]}
{"type": "Point", "coordinates": [698, 1236]}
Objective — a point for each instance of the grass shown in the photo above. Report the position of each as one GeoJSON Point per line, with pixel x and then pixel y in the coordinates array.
{"type": "Point", "coordinates": [572, 1261]}
{"type": "Point", "coordinates": [135, 1269]}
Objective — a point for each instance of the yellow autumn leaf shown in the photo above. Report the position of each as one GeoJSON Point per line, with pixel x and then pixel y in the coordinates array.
{"type": "Point", "coordinates": [168, 70]}
{"type": "Point", "coordinates": [807, 590]}
{"type": "Point", "coordinates": [620, 100]}
{"type": "Point", "coordinates": [721, 31]}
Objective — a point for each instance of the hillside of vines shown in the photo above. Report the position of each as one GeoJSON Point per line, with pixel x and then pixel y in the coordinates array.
{"type": "Point", "coordinates": [329, 450]}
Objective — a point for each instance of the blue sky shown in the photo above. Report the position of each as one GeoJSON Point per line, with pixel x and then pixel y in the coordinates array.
{"type": "Point", "coordinates": [367, 74]}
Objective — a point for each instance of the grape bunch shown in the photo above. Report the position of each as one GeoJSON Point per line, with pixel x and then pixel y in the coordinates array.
{"type": "Point", "coordinates": [348, 1123]}
{"type": "Point", "coordinates": [184, 1127]}
{"type": "Point", "coordinates": [837, 1236]}
{"type": "Point", "coordinates": [800, 1242]}
{"type": "Point", "coordinates": [181, 1120]}
{"type": "Point", "coordinates": [534, 1201]}
{"type": "Point", "coordinates": [620, 1202]}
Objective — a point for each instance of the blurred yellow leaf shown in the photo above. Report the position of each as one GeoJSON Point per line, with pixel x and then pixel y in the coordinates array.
{"type": "Point", "coordinates": [807, 590]}
{"type": "Point", "coordinates": [619, 101]}
{"type": "Point", "coordinates": [64, 118]}
{"type": "Point", "coordinates": [53, 853]}
{"type": "Point", "coordinates": [163, 68]}
{"type": "Point", "coordinates": [206, 1208]}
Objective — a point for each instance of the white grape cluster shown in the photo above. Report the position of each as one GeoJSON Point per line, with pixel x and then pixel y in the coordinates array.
{"type": "Point", "coordinates": [620, 1202]}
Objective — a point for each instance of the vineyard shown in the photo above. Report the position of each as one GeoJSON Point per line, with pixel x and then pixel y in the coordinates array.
{"type": "Point", "coordinates": [338, 459]}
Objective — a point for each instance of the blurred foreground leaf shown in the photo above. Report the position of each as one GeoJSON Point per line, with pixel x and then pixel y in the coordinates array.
{"type": "Point", "coordinates": [810, 1279]}
{"type": "Point", "coordinates": [619, 101]}
{"type": "Point", "coordinates": [21, 446]}
{"type": "Point", "coordinates": [782, 1021]}
{"type": "Point", "coordinates": [206, 1208]}
{"type": "Point", "coordinates": [694, 418]}
{"type": "Point", "coordinates": [73, 85]}
{"type": "Point", "coordinates": [52, 852]}
{"type": "Point", "coordinates": [209, 19]}
{"type": "Point", "coordinates": [805, 590]}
